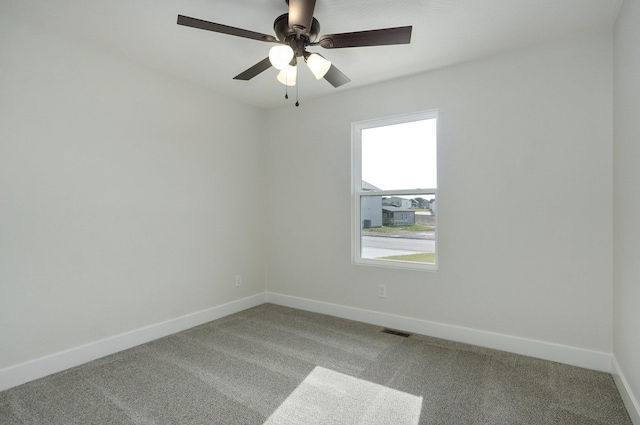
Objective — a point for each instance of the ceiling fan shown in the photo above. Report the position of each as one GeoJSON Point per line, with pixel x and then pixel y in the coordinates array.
{"type": "Point", "coordinates": [297, 30]}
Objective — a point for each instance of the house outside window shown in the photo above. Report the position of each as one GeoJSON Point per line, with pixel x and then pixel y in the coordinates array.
{"type": "Point", "coordinates": [394, 192]}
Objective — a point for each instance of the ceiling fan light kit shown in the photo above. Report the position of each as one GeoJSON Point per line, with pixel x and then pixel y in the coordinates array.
{"type": "Point", "coordinates": [297, 30]}
{"type": "Point", "coordinates": [288, 75]}
{"type": "Point", "coordinates": [280, 56]}
{"type": "Point", "coordinates": [318, 65]}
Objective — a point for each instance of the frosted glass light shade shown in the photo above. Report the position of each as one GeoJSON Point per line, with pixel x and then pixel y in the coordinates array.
{"type": "Point", "coordinates": [287, 76]}
{"type": "Point", "coordinates": [318, 65]}
{"type": "Point", "coordinates": [280, 56]}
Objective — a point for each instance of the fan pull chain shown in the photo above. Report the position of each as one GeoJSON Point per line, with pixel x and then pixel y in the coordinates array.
{"type": "Point", "coordinates": [286, 89]}
{"type": "Point", "coordinates": [286, 86]}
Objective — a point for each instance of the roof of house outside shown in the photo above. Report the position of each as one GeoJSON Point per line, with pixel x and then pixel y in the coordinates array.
{"type": "Point", "coordinates": [369, 186]}
{"type": "Point", "coordinates": [396, 209]}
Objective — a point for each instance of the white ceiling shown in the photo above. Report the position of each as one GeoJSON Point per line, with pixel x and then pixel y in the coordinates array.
{"type": "Point", "coordinates": [445, 32]}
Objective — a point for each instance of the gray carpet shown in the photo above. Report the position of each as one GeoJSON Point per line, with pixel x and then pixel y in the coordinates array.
{"type": "Point", "coordinates": [327, 397]}
{"type": "Point", "coordinates": [240, 370]}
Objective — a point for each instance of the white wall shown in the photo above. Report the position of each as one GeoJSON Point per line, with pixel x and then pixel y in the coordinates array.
{"type": "Point", "coordinates": [525, 183]}
{"type": "Point", "coordinates": [626, 200]}
{"type": "Point", "coordinates": [112, 181]}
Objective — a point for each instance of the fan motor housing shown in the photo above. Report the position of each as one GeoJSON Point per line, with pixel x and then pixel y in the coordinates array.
{"type": "Point", "coordinates": [284, 32]}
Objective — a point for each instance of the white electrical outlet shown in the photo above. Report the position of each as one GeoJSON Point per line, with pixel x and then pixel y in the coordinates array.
{"type": "Point", "coordinates": [382, 291]}
{"type": "Point", "coordinates": [238, 280]}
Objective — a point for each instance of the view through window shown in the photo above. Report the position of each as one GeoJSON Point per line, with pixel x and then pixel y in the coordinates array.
{"type": "Point", "coordinates": [395, 188]}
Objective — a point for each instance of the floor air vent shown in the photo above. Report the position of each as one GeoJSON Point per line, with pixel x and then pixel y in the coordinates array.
{"type": "Point", "coordinates": [395, 332]}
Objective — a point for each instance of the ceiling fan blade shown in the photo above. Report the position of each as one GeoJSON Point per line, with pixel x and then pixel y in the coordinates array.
{"type": "Point", "coordinates": [381, 37]}
{"type": "Point", "coordinates": [224, 29]}
{"type": "Point", "coordinates": [256, 69]}
{"type": "Point", "coordinates": [336, 77]}
{"type": "Point", "coordinates": [301, 15]}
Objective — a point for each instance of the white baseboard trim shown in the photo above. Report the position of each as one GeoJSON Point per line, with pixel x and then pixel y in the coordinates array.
{"type": "Point", "coordinates": [57, 362]}
{"type": "Point", "coordinates": [41, 367]}
{"type": "Point", "coordinates": [539, 349]}
{"type": "Point", "coordinates": [629, 399]}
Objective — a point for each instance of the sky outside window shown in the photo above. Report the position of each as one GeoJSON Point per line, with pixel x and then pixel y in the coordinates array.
{"type": "Point", "coordinates": [400, 156]}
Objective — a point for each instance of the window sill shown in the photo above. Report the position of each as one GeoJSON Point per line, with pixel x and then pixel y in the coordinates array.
{"type": "Point", "coordinates": [396, 264]}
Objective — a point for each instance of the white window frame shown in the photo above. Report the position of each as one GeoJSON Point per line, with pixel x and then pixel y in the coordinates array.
{"type": "Point", "coordinates": [357, 193]}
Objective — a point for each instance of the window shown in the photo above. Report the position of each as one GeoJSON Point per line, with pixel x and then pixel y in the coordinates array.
{"type": "Point", "coordinates": [395, 191]}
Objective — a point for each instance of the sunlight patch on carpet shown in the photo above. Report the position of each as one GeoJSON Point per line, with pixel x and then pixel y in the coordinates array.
{"type": "Point", "coordinates": [327, 397]}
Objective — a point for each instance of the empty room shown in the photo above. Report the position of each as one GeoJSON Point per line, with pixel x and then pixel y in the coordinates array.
{"type": "Point", "coordinates": [319, 212]}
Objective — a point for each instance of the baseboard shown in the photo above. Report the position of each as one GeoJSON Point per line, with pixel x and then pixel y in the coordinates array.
{"type": "Point", "coordinates": [539, 349]}
{"type": "Point", "coordinates": [630, 401]}
{"type": "Point", "coordinates": [41, 367]}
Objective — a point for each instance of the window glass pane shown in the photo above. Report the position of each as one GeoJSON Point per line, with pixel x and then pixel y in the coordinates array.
{"type": "Point", "coordinates": [400, 156]}
{"type": "Point", "coordinates": [395, 191]}
{"type": "Point", "coordinates": [400, 228]}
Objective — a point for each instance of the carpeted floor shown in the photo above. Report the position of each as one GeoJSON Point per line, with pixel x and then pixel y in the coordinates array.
{"type": "Point", "coordinates": [240, 370]}
{"type": "Point", "coordinates": [326, 397]}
